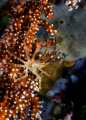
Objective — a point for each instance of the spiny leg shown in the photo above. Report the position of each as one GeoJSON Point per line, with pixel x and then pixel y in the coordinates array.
{"type": "Point", "coordinates": [38, 78]}
{"type": "Point", "coordinates": [26, 50]}
{"type": "Point", "coordinates": [46, 51]}
{"type": "Point", "coordinates": [35, 53]}
{"type": "Point", "coordinates": [55, 44]}
{"type": "Point", "coordinates": [26, 74]}
{"type": "Point", "coordinates": [54, 58]}
{"type": "Point", "coordinates": [54, 54]}
{"type": "Point", "coordinates": [57, 53]}
{"type": "Point", "coordinates": [44, 72]}
{"type": "Point", "coordinates": [25, 47]}
{"type": "Point", "coordinates": [37, 50]}
{"type": "Point", "coordinates": [17, 58]}
{"type": "Point", "coordinates": [16, 65]}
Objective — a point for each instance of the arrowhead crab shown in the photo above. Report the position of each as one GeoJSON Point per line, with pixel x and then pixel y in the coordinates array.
{"type": "Point", "coordinates": [35, 65]}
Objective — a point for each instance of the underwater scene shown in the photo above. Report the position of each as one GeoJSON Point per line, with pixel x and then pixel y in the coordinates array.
{"type": "Point", "coordinates": [42, 59]}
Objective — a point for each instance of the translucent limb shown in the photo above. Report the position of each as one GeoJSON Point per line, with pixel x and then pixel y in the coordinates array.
{"type": "Point", "coordinates": [38, 78]}
{"type": "Point", "coordinates": [45, 73]}
{"type": "Point", "coordinates": [17, 79]}
{"type": "Point", "coordinates": [26, 50]}
{"type": "Point", "coordinates": [37, 48]}
{"type": "Point", "coordinates": [25, 47]}
{"type": "Point", "coordinates": [35, 53]}
{"type": "Point", "coordinates": [16, 65]}
{"type": "Point", "coordinates": [46, 51]}
{"type": "Point", "coordinates": [18, 58]}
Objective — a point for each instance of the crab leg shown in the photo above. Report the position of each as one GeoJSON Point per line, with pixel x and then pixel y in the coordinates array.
{"type": "Point", "coordinates": [16, 65]}
{"type": "Point", "coordinates": [38, 78]}
{"type": "Point", "coordinates": [26, 74]}
{"type": "Point", "coordinates": [25, 47]}
{"type": "Point", "coordinates": [18, 58]}
{"type": "Point", "coordinates": [46, 51]}
{"type": "Point", "coordinates": [44, 72]}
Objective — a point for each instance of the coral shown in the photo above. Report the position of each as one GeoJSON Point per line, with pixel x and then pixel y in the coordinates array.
{"type": "Point", "coordinates": [72, 3]}
{"type": "Point", "coordinates": [21, 65]}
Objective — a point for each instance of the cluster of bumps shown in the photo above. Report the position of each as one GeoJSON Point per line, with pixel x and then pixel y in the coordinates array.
{"type": "Point", "coordinates": [72, 3]}
{"type": "Point", "coordinates": [21, 64]}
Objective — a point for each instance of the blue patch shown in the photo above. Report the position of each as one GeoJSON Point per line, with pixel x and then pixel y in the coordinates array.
{"type": "Point", "coordinates": [74, 78]}
{"type": "Point", "coordinates": [60, 84]}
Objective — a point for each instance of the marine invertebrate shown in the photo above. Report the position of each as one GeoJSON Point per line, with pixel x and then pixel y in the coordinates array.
{"type": "Point", "coordinates": [32, 64]}
{"type": "Point", "coordinates": [17, 98]}
{"type": "Point", "coordinates": [72, 3]}
{"type": "Point", "coordinates": [21, 62]}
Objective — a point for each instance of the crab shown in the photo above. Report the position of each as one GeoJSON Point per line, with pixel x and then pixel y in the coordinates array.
{"type": "Point", "coordinates": [33, 65]}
